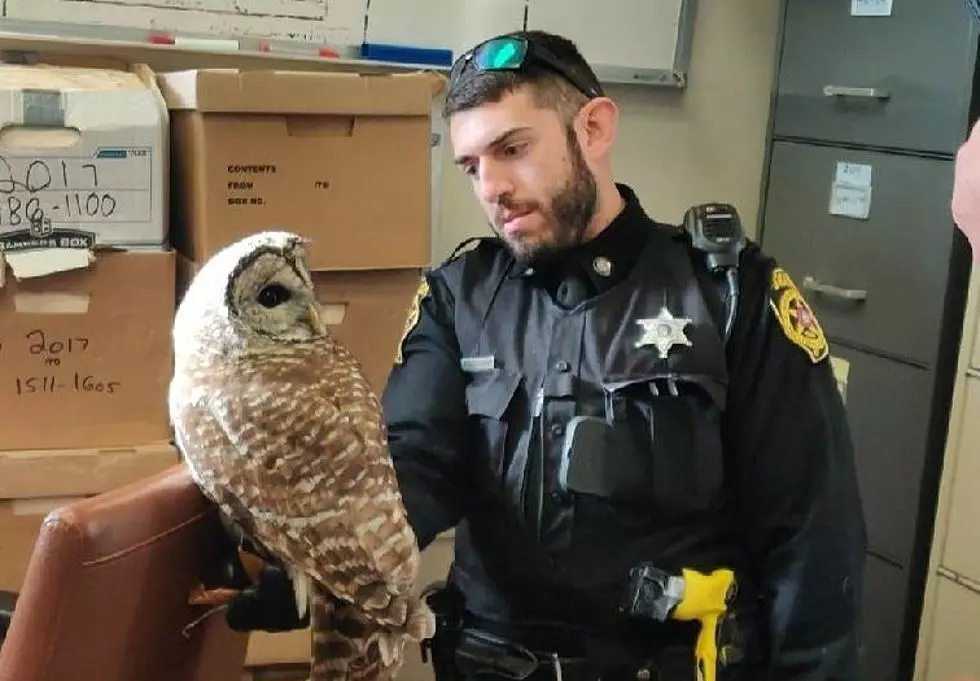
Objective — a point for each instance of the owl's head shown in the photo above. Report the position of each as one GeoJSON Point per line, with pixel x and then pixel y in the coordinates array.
{"type": "Point", "coordinates": [254, 294]}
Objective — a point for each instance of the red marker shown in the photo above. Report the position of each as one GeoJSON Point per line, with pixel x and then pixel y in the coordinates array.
{"type": "Point", "coordinates": [161, 39]}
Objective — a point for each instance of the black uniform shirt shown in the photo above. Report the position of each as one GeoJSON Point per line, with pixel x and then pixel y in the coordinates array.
{"type": "Point", "coordinates": [599, 264]}
{"type": "Point", "coordinates": [796, 505]}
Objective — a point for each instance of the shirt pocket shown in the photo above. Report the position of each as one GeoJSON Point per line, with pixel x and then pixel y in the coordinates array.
{"type": "Point", "coordinates": [490, 396]}
{"type": "Point", "coordinates": [674, 424]}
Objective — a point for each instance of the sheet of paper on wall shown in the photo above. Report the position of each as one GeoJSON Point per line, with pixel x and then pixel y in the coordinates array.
{"type": "Point", "coordinates": [871, 8]}
{"type": "Point", "coordinates": [850, 191]}
{"type": "Point", "coordinates": [841, 369]}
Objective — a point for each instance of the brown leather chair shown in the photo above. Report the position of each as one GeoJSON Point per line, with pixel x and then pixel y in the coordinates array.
{"type": "Point", "coordinates": [105, 597]}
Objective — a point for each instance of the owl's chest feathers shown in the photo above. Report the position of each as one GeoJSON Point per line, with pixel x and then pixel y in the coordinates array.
{"type": "Point", "coordinates": [284, 411]}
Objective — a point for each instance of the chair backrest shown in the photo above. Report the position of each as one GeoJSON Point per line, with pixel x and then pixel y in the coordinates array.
{"type": "Point", "coordinates": [105, 595]}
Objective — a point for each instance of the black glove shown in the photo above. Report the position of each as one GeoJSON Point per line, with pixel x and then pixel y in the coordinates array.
{"type": "Point", "coordinates": [268, 605]}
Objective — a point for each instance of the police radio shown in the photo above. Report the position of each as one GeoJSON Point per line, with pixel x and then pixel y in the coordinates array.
{"type": "Point", "coordinates": [716, 230]}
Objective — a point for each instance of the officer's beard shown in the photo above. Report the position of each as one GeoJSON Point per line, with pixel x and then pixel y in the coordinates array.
{"type": "Point", "coordinates": [570, 211]}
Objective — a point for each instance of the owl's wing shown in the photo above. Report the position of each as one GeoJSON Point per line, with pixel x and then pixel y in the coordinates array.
{"type": "Point", "coordinates": [304, 459]}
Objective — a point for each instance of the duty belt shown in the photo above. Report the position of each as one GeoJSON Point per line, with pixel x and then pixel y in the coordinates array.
{"type": "Point", "coordinates": [481, 653]}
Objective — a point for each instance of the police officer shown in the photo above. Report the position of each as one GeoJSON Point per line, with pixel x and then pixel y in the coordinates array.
{"type": "Point", "coordinates": [573, 397]}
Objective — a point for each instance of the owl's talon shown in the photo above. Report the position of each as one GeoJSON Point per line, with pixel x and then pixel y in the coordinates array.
{"type": "Point", "coordinates": [214, 597]}
{"type": "Point", "coordinates": [186, 631]}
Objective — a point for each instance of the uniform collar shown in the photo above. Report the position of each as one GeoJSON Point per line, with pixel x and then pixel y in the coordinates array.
{"type": "Point", "coordinates": [608, 258]}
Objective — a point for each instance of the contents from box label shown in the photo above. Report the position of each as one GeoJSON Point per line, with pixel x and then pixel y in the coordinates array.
{"type": "Point", "coordinates": [44, 201]}
{"type": "Point", "coordinates": [52, 352]}
{"type": "Point", "coordinates": [77, 382]}
{"type": "Point", "coordinates": [241, 183]}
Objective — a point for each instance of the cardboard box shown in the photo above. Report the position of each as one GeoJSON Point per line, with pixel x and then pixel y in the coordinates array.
{"type": "Point", "coordinates": [364, 309]}
{"type": "Point", "coordinates": [342, 158]}
{"type": "Point", "coordinates": [85, 355]}
{"type": "Point", "coordinates": [36, 482]}
{"type": "Point", "coordinates": [84, 157]}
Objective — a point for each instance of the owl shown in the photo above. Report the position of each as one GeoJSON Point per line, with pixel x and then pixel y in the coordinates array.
{"type": "Point", "coordinates": [279, 428]}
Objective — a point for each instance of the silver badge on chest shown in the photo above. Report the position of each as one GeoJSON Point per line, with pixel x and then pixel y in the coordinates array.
{"type": "Point", "coordinates": [663, 332]}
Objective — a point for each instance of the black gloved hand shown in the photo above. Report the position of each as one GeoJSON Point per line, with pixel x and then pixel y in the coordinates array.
{"type": "Point", "coordinates": [267, 605]}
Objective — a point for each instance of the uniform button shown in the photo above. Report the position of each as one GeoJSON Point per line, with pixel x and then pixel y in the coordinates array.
{"type": "Point", "coordinates": [557, 429]}
{"type": "Point", "coordinates": [562, 366]}
{"type": "Point", "coordinates": [557, 497]}
{"type": "Point", "coordinates": [602, 266]}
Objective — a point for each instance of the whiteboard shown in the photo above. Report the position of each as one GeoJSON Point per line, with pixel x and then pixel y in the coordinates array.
{"type": "Point", "coordinates": [626, 41]}
{"type": "Point", "coordinates": [318, 21]}
{"type": "Point", "coordinates": [453, 25]}
{"type": "Point", "coordinates": [642, 41]}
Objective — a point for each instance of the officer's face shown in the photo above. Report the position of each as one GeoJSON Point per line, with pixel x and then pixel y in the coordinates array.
{"type": "Point", "coordinates": [528, 172]}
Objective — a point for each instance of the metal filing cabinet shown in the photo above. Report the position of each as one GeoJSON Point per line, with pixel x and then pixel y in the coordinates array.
{"type": "Point", "coordinates": [882, 608]}
{"type": "Point", "coordinates": [896, 81]}
{"type": "Point", "coordinates": [888, 405]}
{"type": "Point", "coordinates": [865, 278]}
{"type": "Point", "coordinates": [868, 112]}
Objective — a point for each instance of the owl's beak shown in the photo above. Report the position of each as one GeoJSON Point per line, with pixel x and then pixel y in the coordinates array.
{"type": "Point", "coordinates": [313, 318]}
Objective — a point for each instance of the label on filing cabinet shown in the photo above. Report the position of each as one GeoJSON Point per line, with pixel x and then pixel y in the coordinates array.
{"type": "Point", "coordinates": [850, 191]}
{"type": "Point", "coordinates": [65, 201]}
{"type": "Point", "coordinates": [871, 8]}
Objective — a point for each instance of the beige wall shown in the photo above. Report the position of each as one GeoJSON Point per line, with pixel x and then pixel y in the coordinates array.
{"type": "Point", "coordinates": [677, 148]}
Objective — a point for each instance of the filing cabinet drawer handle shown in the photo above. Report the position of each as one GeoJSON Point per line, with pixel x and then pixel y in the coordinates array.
{"type": "Point", "coordinates": [865, 92]}
{"type": "Point", "coordinates": [811, 284]}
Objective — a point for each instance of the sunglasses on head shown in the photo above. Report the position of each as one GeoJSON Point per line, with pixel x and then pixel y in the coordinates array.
{"type": "Point", "coordinates": [512, 53]}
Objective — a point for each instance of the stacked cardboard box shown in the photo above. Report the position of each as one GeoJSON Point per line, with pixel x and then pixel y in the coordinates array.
{"type": "Point", "coordinates": [99, 172]}
{"type": "Point", "coordinates": [86, 292]}
{"type": "Point", "coordinates": [340, 158]}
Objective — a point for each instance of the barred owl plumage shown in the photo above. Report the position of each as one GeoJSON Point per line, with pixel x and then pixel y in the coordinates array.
{"type": "Point", "coordinates": [280, 429]}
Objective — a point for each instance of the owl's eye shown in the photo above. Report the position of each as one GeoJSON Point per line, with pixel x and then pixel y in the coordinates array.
{"type": "Point", "coordinates": [273, 295]}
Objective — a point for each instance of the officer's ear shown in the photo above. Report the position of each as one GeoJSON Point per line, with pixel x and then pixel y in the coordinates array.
{"type": "Point", "coordinates": [597, 124]}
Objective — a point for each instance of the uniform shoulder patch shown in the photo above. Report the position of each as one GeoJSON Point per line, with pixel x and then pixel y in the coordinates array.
{"type": "Point", "coordinates": [412, 319]}
{"type": "Point", "coordinates": [795, 316]}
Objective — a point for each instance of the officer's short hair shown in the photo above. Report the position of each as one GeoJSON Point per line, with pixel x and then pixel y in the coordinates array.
{"type": "Point", "coordinates": [550, 90]}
